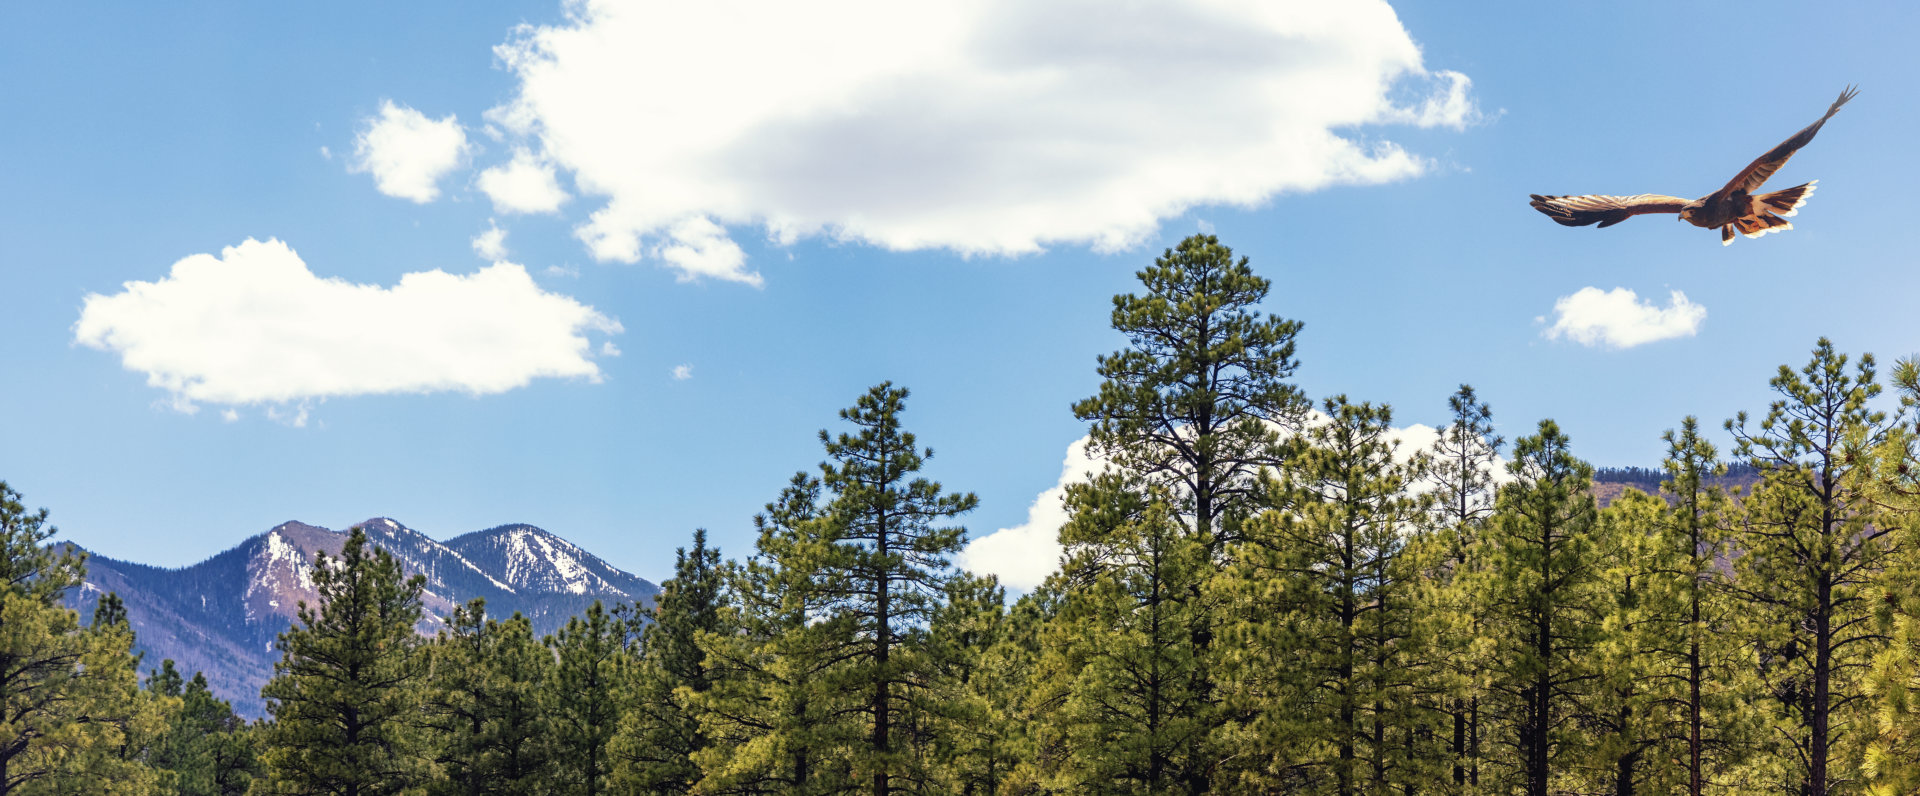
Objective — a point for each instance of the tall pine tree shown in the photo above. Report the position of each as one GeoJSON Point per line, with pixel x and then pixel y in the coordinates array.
{"type": "Point", "coordinates": [1119, 670]}
{"type": "Point", "coordinates": [587, 690]}
{"type": "Point", "coordinates": [773, 715]}
{"type": "Point", "coordinates": [489, 728]}
{"type": "Point", "coordinates": [1537, 591]}
{"type": "Point", "coordinates": [884, 562]}
{"type": "Point", "coordinates": [1698, 661]}
{"type": "Point", "coordinates": [1196, 402]}
{"type": "Point", "coordinates": [1814, 547]}
{"type": "Point", "coordinates": [1894, 682]}
{"type": "Point", "coordinates": [345, 693]}
{"type": "Point", "coordinates": [1460, 467]}
{"type": "Point", "coordinates": [206, 750]}
{"type": "Point", "coordinates": [1326, 595]}
{"type": "Point", "coordinates": [661, 732]}
{"type": "Point", "coordinates": [1195, 405]}
{"type": "Point", "coordinates": [70, 692]}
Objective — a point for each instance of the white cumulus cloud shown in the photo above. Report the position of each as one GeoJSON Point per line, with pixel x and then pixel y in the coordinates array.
{"type": "Point", "coordinates": [256, 326]}
{"type": "Point", "coordinates": [407, 153]}
{"type": "Point", "coordinates": [1618, 318]}
{"type": "Point", "coordinates": [976, 126]}
{"type": "Point", "coordinates": [523, 185]}
{"type": "Point", "coordinates": [1025, 554]}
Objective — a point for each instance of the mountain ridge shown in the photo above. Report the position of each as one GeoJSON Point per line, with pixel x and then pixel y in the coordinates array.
{"type": "Point", "coordinates": [221, 616]}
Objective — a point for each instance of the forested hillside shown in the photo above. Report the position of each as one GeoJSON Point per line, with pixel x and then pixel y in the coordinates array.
{"type": "Point", "coordinates": [1260, 594]}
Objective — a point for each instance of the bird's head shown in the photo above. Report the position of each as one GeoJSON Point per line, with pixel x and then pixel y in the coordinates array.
{"type": "Point", "coordinates": [1686, 213]}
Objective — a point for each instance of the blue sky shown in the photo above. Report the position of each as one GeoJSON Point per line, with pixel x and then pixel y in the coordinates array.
{"type": "Point", "coordinates": [896, 217]}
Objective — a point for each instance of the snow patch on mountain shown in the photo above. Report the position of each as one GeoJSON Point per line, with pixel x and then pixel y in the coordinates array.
{"type": "Point", "coordinates": [537, 562]}
{"type": "Point", "coordinates": [422, 554]}
{"type": "Point", "coordinates": [279, 569]}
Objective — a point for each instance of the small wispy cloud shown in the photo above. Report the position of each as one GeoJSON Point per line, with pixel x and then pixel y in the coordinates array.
{"type": "Point", "coordinates": [682, 372]}
{"type": "Point", "coordinates": [491, 243]}
{"type": "Point", "coordinates": [1618, 318]}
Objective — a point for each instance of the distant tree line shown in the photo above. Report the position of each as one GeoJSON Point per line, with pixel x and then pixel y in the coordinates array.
{"type": "Point", "coordinates": [1252, 598]}
{"type": "Point", "coordinates": [1652, 480]}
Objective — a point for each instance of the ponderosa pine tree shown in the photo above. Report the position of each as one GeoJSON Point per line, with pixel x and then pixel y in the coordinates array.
{"type": "Point", "coordinates": [345, 693]}
{"type": "Point", "coordinates": [1813, 550]}
{"type": "Point", "coordinates": [1698, 661]}
{"type": "Point", "coordinates": [1025, 707]}
{"type": "Point", "coordinates": [883, 560]}
{"type": "Point", "coordinates": [585, 694]}
{"type": "Point", "coordinates": [205, 749]}
{"type": "Point", "coordinates": [1197, 401]}
{"type": "Point", "coordinates": [773, 716]}
{"type": "Point", "coordinates": [488, 728]}
{"type": "Point", "coordinates": [1894, 682]}
{"type": "Point", "coordinates": [660, 733]}
{"type": "Point", "coordinates": [1196, 404]}
{"type": "Point", "coordinates": [1536, 588]}
{"type": "Point", "coordinates": [140, 719]}
{"type": "Point", "coordinates": [70, 693]}
{"type": "Point", "coordinates": [979, 737]}
{"type": "Point", "coordinates": [1322, 596]}
{"type": "Point", "coordinates": [1624, 710]}
{"type": "Point", "coordinates": [1119, 669]}
{"type": "Point", "coordinates": [1461, 467]}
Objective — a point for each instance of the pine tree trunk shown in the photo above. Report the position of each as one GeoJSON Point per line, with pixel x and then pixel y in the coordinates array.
{"type": "Point", "coordinates": [1541, 722]}
{"type": "Point", "coordinates": [1695, 670]}
{"type": "Point", "coordinates": [1473, 742]}
{"type": "Point", "coordinates": [1379, 751]}
{"type": "Point", "coordinates": [1156, 754]}
{"type": "Point", "coordinates": [800, 760]}
{"type": "Point", "coordinates": [1822, 689]}
{"type": "Point", "coordinates": [1459, 744]}
{"type": "Point", "coordinates": [1694, 784]}
{"type": "Point", "coordinates": [1623, 768]}
{"type": "Point", "coordinates": [1346, 667]}
{"type": "Point", "coordinates": [881, 709]}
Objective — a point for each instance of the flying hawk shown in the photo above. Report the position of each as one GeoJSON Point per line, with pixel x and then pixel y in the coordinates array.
{"type": "Point", "coordinates": [1734, 207]}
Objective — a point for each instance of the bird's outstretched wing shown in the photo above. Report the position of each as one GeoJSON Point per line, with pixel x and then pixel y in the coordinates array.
{"type": "Point", "coordinates": [1579, 211]}
{"type": "Point", "coordinates": [1756, 173]}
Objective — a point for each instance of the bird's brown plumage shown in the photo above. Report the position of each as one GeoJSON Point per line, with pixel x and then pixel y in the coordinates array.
{"type": "Point", "coordinates": [1579, 211]}
{"type": "Point", "coordinates": [1733, 207]}
{"type": "Point", "coordinates": [1756, 173]}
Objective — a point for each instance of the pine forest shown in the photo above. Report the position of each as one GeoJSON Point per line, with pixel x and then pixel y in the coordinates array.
{"type": "Point", "coordinates": [1261, 592]}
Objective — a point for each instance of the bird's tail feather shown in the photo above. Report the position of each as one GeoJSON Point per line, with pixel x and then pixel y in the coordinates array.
{"type": "Point", "coordinates": [1789, 201]}
{"type": "Point", "coordinates": [1755, 226]}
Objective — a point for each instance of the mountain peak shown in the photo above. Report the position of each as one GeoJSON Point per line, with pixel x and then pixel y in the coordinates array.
{"type": "Point", "coordinates": [533, 561]}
